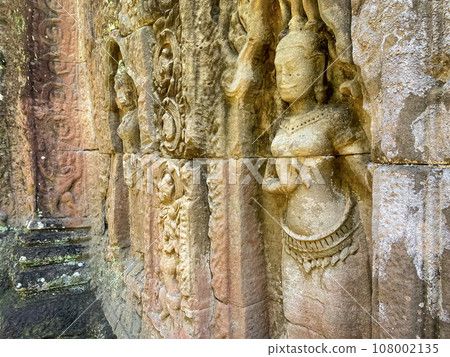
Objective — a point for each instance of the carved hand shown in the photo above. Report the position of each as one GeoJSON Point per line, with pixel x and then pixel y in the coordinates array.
{"type": "Point", "coordinates": [272, 182]}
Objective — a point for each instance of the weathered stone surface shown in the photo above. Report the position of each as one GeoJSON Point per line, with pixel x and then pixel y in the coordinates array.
{"type": "Point", "coordinates": [118, 206]}
{"type": "Point", "coordinates": [50, 269]}
{"type": "Point", "coordinates": [231, 321]}
{"type": "Point", "coordinates": [239, 283]}
{"type": "Point", "coordinates": [14, 58]}
{"type": "Point", "coordinates": [236, 279]}
{"type": "Point", "coordinates": [403, 50]}
{"type": "Point", "coordinates": [202, 168]}
{"type": "Point", "coordinates": [411, 241]}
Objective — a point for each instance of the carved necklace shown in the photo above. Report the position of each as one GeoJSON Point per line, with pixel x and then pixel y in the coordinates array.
{"type": "Point", "coordinates": [297, 122]}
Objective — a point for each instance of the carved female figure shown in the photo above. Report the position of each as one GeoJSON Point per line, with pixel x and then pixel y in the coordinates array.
{"type": "Point", "coordinates": [326, 277]}
{"type": "Point", "coordinates": [128, 129]}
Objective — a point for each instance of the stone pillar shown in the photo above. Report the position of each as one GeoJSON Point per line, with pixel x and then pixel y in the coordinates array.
{"type": "Point", "coordinates": [237, 258]}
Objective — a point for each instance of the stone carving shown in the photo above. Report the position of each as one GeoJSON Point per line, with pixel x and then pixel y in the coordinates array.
{"type": "Point", "coordinates": [109, 166]}
{"type": "Point", "coordinates": [318, 131]}
{"type": "Point", "coordinates": [60, 178]}
{"type": "Point", "coordinates": [52, 130]}
{"type": "Point", "coordinates": [172, 126]}
{"type": "Point", "coordinates": [170, 106]}
{"type": "Point", "coordinates": [170, 193]}
{"type": "Point", "coordinates": [251, 42]}
{"type": "Point", "coordinates": [182, 300]}
{"type": "Point", "coordinates": [321, 222]}
{"type": "Point", "coordinates": [136, 13]}
{"type": "Point", "coordinates": [332, 19]}
{"type": "Point", "coordinates": [128, 129]}
{"type": "Point", "coordinates": [315, 14]}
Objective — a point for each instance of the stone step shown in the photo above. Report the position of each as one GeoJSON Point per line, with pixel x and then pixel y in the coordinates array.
{"type": "Point", "coordinates": [64, 314]}
{"type": "Point", "coordinates": [50, 255]}
{"type": "Point", "coordinates": [53, 237]}
{"type": "Point", "coordinates": [53, 277]}
{"type": "Point", "coordinates": [68, 223]}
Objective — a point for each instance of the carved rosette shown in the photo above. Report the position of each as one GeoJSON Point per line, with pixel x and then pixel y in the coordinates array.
{"type": "Point", "coordinates": [170, 104]}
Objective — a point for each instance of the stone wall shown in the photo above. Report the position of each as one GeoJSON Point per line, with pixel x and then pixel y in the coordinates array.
{"type": "Point", "coordinates": [225, 169]}
{"type": "Point", "coordinates": [403, 50]}
{"type": "Point", "coordinates": [14, 57]}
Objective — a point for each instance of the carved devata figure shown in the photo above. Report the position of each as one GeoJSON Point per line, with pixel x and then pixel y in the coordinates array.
{"type": "Point", "coordinates": [60, 180]}
{"type": "Point", "coordinates": [176, 299]}
{"type": "Point", "coordinates": [128, 129]}
{"type": "Point", "coordinates": [326, 275]}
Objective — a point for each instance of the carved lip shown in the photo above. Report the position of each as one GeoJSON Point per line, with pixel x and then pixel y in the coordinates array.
{"type": "Point", "coordinates": [282, 86]}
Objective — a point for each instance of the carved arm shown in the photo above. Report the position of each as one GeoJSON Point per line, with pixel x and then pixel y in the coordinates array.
{"type": "Point", "coordinates": [285, 185]}
{"type": "Point", "coordinates": [357, 167]}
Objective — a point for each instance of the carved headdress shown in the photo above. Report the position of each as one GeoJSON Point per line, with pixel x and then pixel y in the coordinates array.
{"type": "Point", "coordinates": [315, 14]}
{"type": "Point", "coordinates": [312, 46]}
{"type": "Point", "coordinates": [123, 80]}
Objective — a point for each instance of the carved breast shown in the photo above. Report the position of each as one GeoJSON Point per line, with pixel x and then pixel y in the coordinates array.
{"type": "Point", "coordinates": [129, 127]}
{"type": "Point", "coordinates": [311, 134]}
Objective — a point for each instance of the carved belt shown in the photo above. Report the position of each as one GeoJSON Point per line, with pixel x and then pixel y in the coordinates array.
{"type": "Point", "coordinates": [327, 248]}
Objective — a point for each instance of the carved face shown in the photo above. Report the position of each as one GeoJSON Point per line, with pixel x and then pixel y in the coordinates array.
{"type": "Point", "coordinates": [166, 188]}
{"type": "Point", "coordinates": [295, 73]}
{"type": "Point", "coordinates": [299, 63]}
{"type": "Point", "coordinates": [124, 96]}
{"type": "Point", "coordinates": [125, 90]}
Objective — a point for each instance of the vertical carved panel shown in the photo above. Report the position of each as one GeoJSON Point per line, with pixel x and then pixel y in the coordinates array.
{"type": "Point", "coordinates": [170, 105]}
{"type": "Point", "coordinates": [182, 306]}
{"type": "Point", "coordinates": [325, 249]}
{"type": "Point", "coordinates": [54, 75]}
{"type": "Point", "coordinates": [238, 281]}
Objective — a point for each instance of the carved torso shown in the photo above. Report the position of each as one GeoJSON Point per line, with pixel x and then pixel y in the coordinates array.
{"type": "Point", "coordinates": [318, 220]}
{"type": "Point", "coordinates": [128, 131]}
{"type": "Point", "coordinates": [324, 131]}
